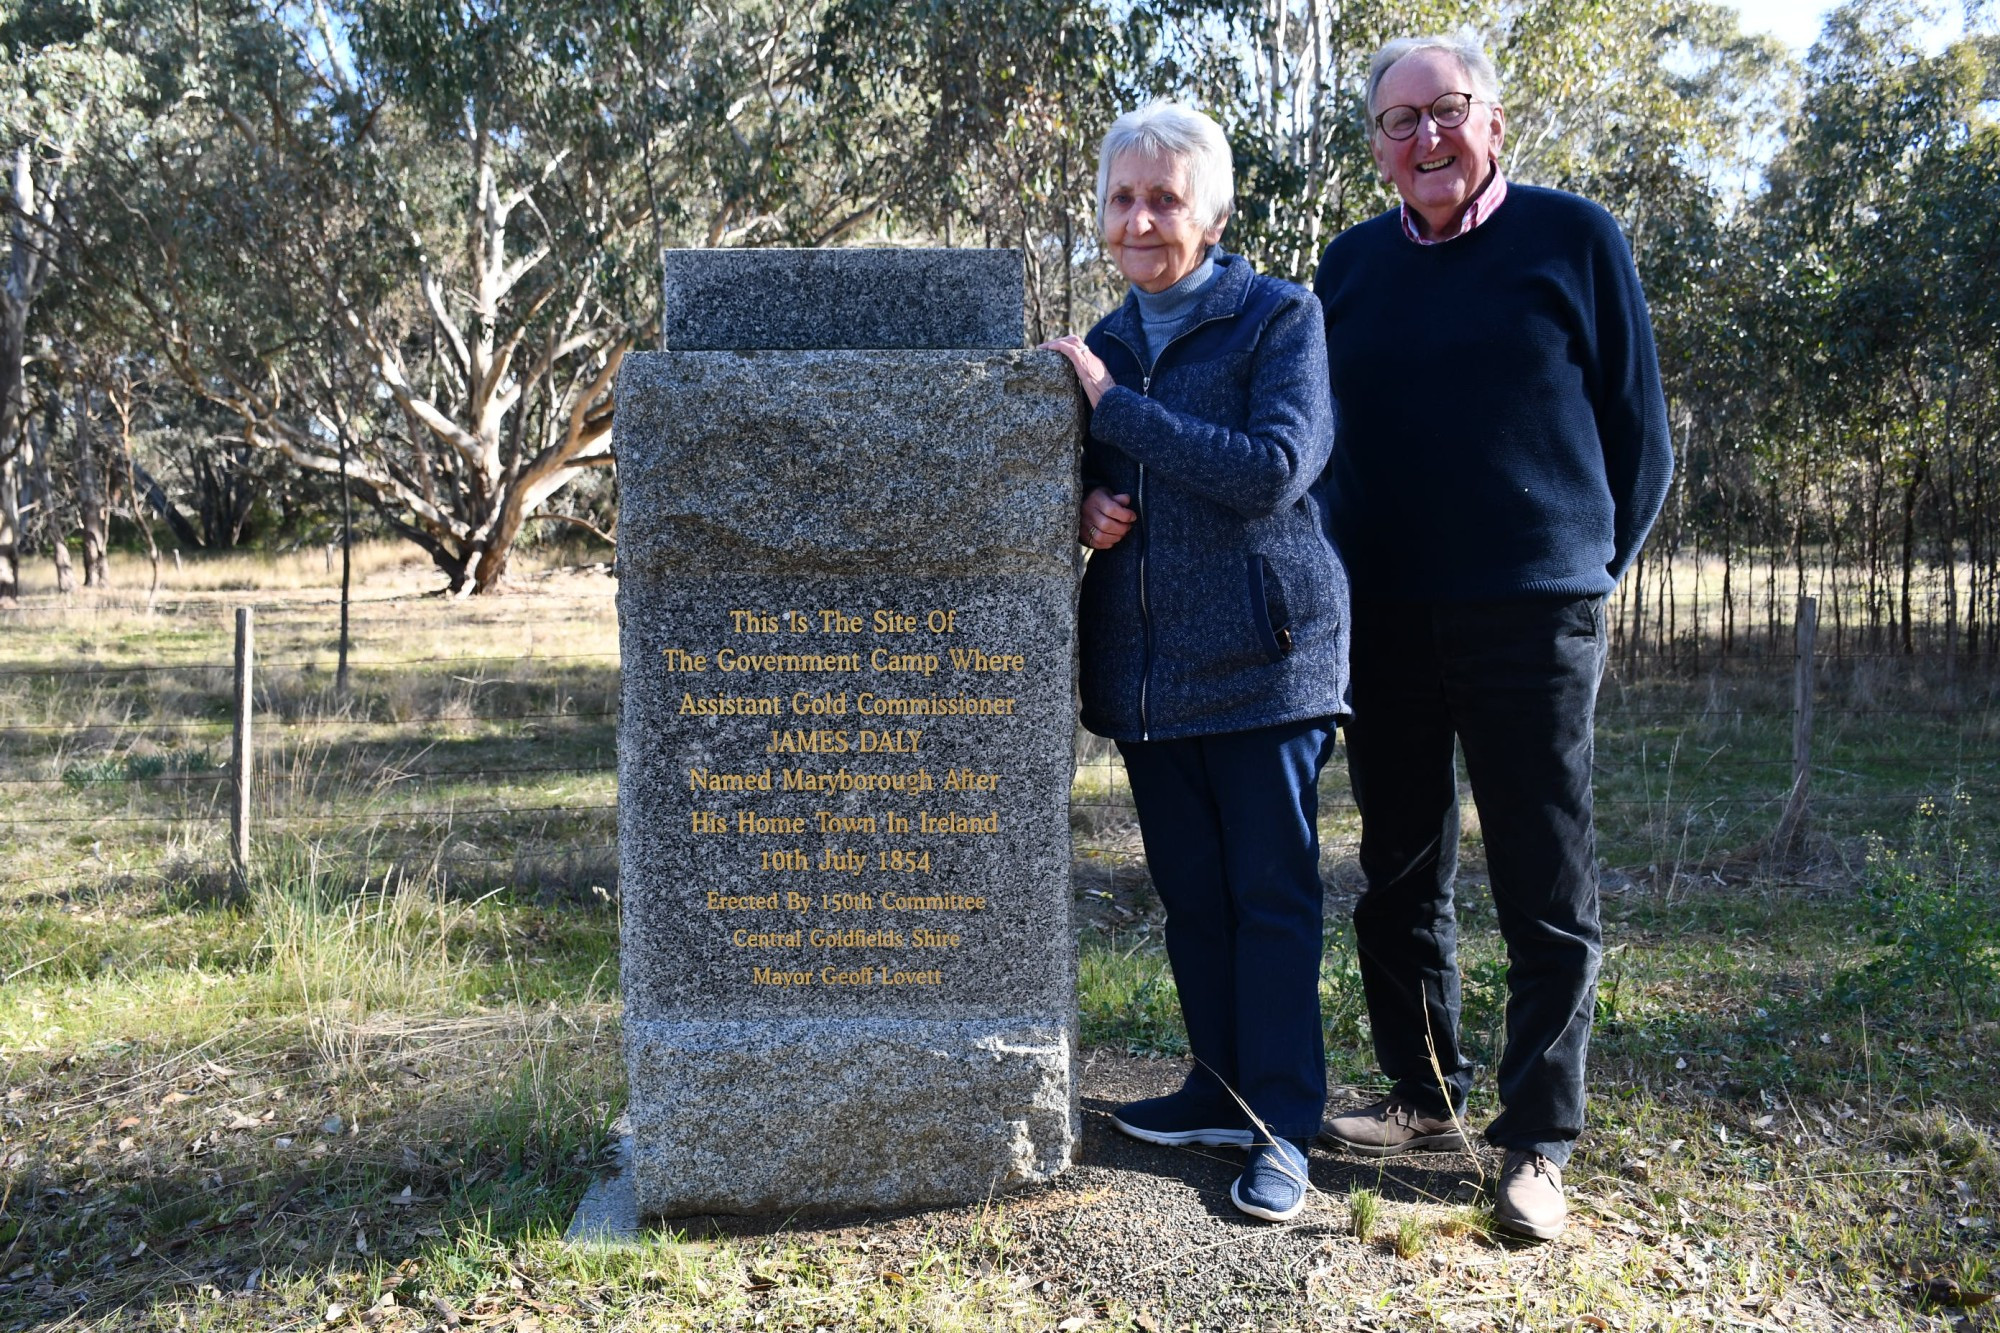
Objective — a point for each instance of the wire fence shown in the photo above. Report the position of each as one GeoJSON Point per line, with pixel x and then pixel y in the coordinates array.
{"type": "Point", "coordinates": [501, 768]}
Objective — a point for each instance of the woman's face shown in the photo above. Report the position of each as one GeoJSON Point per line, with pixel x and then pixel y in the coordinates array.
{"type": "Point", "coordinates": [1149, 222]}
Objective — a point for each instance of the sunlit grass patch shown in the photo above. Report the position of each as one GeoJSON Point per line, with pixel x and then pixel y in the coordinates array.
{"type": "Point", "coordinates": [322, 1080]}
{"type": "Point", "coordinates": [1126, 996]}
{"type": "Point", "coordinates": [114, 762]}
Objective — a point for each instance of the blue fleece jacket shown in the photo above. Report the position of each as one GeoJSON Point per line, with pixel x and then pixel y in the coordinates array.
{"type": "Point", "coordinates": [1502, 429]}
{"type": "Point", "coordinates": [1225, 607]}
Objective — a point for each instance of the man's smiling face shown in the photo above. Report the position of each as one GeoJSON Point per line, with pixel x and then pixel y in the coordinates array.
{"type": "Point", "coordinates": [1436, 170]}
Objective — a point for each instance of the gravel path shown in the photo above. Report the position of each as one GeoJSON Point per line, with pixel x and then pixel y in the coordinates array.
{"type": "Point", "coordinates": [1151, 1231]}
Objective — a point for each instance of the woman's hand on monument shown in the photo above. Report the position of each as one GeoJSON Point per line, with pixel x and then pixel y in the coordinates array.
{"type": "Point", "coordinates": [1089, 370]}
{"type": "Point", "coordinates": [1105, 519]}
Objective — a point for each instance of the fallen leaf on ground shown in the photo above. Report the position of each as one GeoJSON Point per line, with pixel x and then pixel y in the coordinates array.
{"type": "Point", "coordinates": [1948, 1291]}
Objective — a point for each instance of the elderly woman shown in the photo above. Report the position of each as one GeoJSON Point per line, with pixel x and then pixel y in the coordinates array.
{"type": "Point", "coordinates": [1213, 634]}
{"type": "Point", "coordinates": [1503, 452]}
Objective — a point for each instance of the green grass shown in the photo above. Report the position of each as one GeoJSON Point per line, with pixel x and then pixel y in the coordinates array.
{"type": "Point", "coordinates": [1692, 773]}
{"type": "Point", "coordinates": [212, 1105]}
{"type": "Point", "coordinates": [1364, 1214]}
{"type": "Point", "coordinates": [363, 1075]}
{"type": "Point", "coordinates": [1126, 997]}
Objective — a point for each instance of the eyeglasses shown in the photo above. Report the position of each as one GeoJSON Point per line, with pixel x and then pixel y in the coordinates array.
{"type": "Point", "coordinates": [1447, 112]}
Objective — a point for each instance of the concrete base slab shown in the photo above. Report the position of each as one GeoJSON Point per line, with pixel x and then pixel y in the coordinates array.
{"type": "Point", "coordinates": [779, 1115]}
{"type": "Point", "coordinates": [609, 1211]}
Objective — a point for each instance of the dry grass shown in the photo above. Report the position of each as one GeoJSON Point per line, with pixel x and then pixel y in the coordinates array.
{"type": "Point", "coordinates": [118, 730]}
{"type": "Point", "coordinates": [376, 1085]}
{"type": "Point", "coordinates": [384, 567]}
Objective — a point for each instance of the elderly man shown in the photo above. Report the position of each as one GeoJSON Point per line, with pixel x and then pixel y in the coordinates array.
{"type": "Point", "coordinates": [1503, 451]}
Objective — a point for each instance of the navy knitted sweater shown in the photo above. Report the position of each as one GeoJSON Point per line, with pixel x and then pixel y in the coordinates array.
{"type": "Point", "coordinates": [1502, 432]}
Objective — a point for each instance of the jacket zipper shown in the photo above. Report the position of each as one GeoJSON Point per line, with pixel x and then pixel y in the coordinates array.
{"type": "Point", "coordinates": [1145, 611]}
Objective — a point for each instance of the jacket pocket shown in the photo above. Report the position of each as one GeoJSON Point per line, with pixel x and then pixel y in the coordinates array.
{"type": "Point", "coordinates": [1268, 611]}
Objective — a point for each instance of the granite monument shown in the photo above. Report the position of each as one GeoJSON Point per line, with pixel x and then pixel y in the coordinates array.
{"type": "Point", "coordinates": [847, 501]}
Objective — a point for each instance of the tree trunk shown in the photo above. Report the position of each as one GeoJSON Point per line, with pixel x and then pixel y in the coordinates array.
{"type": "Point", "coordinates": [1877, 556]}
{"type": "Point", "coordinates": [1907, 557]}
{"type": "Point", "coordinates": [1728, 570]}
{"type": "Point", "coordinates": [10, 530]}
{"type": "Point", "coordinates": [92, 501]}
{"type": "Point", "coordinates": [121, 403]}
{"type": "Point", "coordinates": [1636, 578]}
{"type": "Point", "coordinates": [52, 522]}
{"type": "Point", "coordinates": [161, 504]}
{"type": "Point", "coordinates": [28, 268]}
{"type": "Point", "coordinates": [490, 561]}
{"type": "Point", "coordinates": [1976, 564]}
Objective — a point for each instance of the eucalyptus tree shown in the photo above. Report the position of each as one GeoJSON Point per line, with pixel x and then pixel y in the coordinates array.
{"type": "Point", "coordinates": [431, 202]}
{"type": "Point", "coordinates": [412, 243]}
{"type": "Point", "coordinates": [1962, 185]}
{"type": "Point", "coordinates": [1651, 109]}
{"type": "Point", "coordinates": [64, 88]}
{"type": "Point", "coordinates": [1287, 80]}
{"type": "Point", "coordinates": [1886, 325]}
{"type": "Point", "coordinates": [979, 122]}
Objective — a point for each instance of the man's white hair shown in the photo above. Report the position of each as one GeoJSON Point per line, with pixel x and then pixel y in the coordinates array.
{"type": "Point", "coordinates": [1170, 130]}
{"type": "Point", "coordinates": [1462, 47]}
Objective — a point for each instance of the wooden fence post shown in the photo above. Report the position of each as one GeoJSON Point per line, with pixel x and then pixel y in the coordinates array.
{"type": "Point", "coordinates": [239, 824]}
{"type": "Point", "coordinates": [1792, 824]}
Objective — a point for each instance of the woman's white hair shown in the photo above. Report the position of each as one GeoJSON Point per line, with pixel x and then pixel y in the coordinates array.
{"type": "Point", "coordinates": [1170, 130]}
{"type": "Point", "coordinates": [1462, 47]}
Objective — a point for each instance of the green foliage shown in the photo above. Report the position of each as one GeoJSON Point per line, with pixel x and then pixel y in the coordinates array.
{"type": "Point", "coordinates": [1364, 1214]}
{"type": "Point", "coordinates": [131, 767]}
{"type": "Point", "coordinates": [1126, 997]}
{"type": "Point", "coordinates": [1286, 80]}
{"type": "Point", "coordinates": [1343, 1006]}
{"type": "Point", "coordinates": [994, 111]}
{"type": "Point", "coordinates": [1936, 906]}
{"type": "Point", "coordinates": [428, 232]}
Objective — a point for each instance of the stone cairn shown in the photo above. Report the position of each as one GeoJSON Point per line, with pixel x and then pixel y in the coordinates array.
{"type": "Point", "coordinates": [846, 581]}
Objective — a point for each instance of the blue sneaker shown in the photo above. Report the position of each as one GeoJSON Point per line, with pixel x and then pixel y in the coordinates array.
{"type": "Point", "coordinates": [1273, 1183]}
{"type": "Point", "coordinates": [1185, 1117]}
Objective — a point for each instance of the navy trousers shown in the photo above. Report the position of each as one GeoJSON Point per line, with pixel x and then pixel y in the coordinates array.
{"type": "Point", "coordinates": [1231, 827]}
{"type": "Point", "coordinates": [1514, 683]}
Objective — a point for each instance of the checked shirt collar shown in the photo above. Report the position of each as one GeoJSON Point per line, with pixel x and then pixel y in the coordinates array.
{"type": "Point", "coordinates": [1483, 206]}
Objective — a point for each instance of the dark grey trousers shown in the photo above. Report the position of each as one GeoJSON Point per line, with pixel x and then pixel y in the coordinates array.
{"type": "Point", "coordinates": [1514, 684]}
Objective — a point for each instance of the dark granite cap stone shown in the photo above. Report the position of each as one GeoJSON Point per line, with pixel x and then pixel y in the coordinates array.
{"type": "Point", "coordinates": [740, 300]}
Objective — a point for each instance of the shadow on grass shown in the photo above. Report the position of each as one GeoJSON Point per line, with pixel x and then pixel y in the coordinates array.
{"type": "Point", "coordinates": [137, 1180]}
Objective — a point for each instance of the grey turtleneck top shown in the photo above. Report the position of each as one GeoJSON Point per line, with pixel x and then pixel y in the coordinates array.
{"type": "Point", "coordinates": [1164, 315]}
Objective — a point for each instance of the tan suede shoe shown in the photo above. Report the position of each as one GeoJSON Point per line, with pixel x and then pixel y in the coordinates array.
{"type": "Point", "coordinates": [1391, 1126]}
{"type": "Point", "coordinates": [1530, 1201]}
